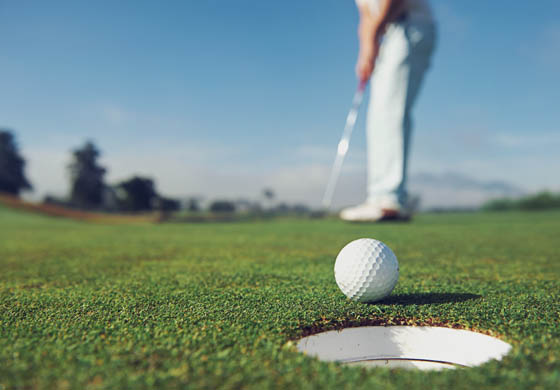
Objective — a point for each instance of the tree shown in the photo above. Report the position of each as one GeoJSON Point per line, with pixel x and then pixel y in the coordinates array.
{"type": "Point", "coordinates": [86, 177]}
{"type": "Point", "coordinates": [166, 204]}
{"type": "Point", "coordinates": [12, 176]}
{"type": "Point", "coordinates": [222, 206]}
{"type": "Point", "coordinates": [136, 194]}
{"type": "Point", "coordinates": [193, 204]}
{"type": "Point", "coordinates": [269, 194]}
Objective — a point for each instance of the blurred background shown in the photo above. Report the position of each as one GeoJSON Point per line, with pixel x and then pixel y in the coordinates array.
{"type": "Point", "coordinates": [223, 105]}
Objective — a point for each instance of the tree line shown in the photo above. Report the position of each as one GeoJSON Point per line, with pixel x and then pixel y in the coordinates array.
{"type": "Point", "coordinates": [542, 201]}
{"type": "Point", "coordinates": [88, 189]}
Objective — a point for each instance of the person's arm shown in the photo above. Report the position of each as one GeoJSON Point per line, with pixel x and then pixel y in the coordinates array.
{"type": "Point", "coordinates": [371, 29]}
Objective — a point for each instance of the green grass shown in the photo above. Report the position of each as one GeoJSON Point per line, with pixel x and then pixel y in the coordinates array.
{"type": "Point", "coordinates": [86, 306]}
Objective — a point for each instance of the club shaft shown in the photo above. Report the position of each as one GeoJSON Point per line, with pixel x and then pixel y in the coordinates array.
{"type": "Point", "coordinates": [342, 148]}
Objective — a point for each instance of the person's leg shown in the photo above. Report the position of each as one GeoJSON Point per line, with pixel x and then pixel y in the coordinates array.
{"type": "Point", "coordinates": [403, 60]}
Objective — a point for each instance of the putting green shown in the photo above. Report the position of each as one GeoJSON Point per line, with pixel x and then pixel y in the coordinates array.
{"type": "Point", "coordinates": [216, 305]}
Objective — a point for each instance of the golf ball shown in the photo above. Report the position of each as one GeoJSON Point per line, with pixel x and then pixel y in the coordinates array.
{"type": "Point", "coordinates": [366, 270]}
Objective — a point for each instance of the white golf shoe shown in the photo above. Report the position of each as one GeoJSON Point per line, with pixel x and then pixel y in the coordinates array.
{"type": "Point", "coordinates": [374, 212]}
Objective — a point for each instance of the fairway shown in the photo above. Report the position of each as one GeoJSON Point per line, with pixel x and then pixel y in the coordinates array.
{"type": "Point", "coordinates": [94, 306]}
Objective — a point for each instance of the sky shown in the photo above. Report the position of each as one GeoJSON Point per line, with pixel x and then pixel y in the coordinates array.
{"type": "Point", "coordinates": [223, 98]}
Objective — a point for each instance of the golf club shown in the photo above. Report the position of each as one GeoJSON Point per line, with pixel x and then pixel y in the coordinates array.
{"type": "Point", "coordinates": [343, 145]}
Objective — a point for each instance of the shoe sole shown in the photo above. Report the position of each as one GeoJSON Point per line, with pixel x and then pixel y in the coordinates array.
{"type": "Point", "coordinates": [387, 215]}
{"type": "Point", "coordinates": [394, 216]}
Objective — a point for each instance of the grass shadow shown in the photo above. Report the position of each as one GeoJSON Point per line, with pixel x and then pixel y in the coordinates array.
{"type": "Point", "coordinates": [426, 298]}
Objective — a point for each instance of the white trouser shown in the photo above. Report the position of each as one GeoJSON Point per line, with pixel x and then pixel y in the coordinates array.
{"type": "Point", "coordinates": [403, 60]}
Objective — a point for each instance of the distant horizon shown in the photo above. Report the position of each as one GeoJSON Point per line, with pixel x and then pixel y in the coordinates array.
{"type": "Point", "coordinates": [227, 99]}
{"type": "Point", "coordinates": [444, 190]}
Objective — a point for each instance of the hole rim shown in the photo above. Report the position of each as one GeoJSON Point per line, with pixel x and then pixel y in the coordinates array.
{"type": "Point", "coordinates": [489, 337]}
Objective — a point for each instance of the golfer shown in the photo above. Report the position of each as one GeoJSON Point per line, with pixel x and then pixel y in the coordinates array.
{"type": "Point", "coordinates": [396, 43]}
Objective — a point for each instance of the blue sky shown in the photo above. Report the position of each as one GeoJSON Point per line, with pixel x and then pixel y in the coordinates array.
{"type": "Point", "coordinates": [223, 97]}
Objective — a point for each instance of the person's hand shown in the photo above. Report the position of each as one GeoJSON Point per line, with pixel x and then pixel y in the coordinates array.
{"type": "Point", "coordinates": [366, 62]}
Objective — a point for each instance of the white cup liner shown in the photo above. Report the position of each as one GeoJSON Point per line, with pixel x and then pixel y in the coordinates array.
{"type": "Point", "coordinates": [418, 347]}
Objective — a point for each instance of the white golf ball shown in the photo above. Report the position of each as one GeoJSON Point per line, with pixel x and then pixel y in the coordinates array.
{"type": "Point", "coordinates": [366, 270]}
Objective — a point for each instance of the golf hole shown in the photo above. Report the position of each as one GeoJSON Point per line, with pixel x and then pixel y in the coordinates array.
{"type": "Point", "coordinates": [416, 347]}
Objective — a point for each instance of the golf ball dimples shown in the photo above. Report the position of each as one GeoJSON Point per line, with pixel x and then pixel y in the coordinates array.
{"type": "Point", "coordinates": [366, 270]}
